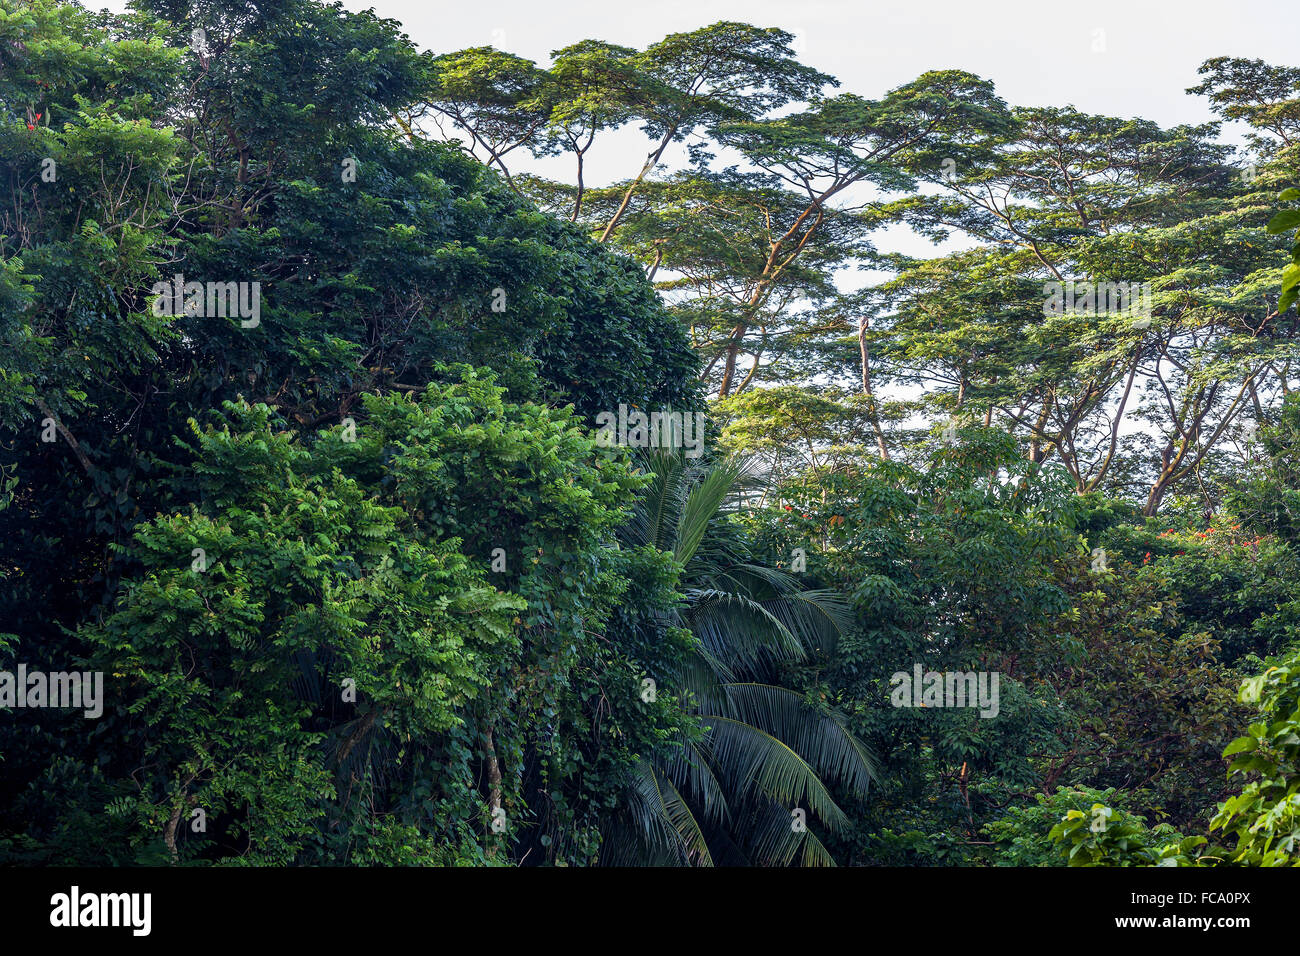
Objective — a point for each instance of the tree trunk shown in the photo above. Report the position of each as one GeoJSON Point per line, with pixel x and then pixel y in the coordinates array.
{"type": "Point", "coordinates": [494, 784]}
{"type": "Point", "coordinates": [872, 413]}
{"type": "Point", "coordinates": [650, 163]}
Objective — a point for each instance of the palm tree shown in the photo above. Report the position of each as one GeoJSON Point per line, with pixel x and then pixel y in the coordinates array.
{"type": "Point", "coordinates": [732, 794]}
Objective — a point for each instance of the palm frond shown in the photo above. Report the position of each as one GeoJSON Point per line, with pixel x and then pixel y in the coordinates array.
{"type": "Point", "coordinates": [766, 750]}
{"type": "Point", "coordinates": [816, 617]}
{"type": "Point", "coordinates": [694, 778]}
{"type": "Point", "coordinates": [663, 823]}
{"type": "Point", "coordinates": [752, 760]}
{"type": "Point", "coordinates": [774, 841]}
{"type": "Point", "coordinates": [654, 517]}
{"type": "Point", "coordinates": [739, 630]}
{"type": "Point", "coordinates": [702, 676]}
{"type": "Point", "coordinates": [817, 734]}
{"type": "Point", "coordinates": [702, 504]}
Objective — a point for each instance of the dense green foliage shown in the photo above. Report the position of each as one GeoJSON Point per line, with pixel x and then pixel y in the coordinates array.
{"type": "Point", "coordinates": [362, 551]}
{"type": "Point", "coordinates": [366, 581]}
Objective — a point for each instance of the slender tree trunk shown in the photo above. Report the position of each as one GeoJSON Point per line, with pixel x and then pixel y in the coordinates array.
{"type": "Point", "coordinates": [872, 413]}
{"type": "Point", "coordinates": [1170, 460]}
{"type": "Point", "coordinates": [1035, 446]}
{"type": "Point", "coordinates": [494, 783]}
{"type": "Point", "coordinates": [654, 267]}
{"type": "Point", "coordinates": [1114, 430]}
{"type": "Point", "coordinates": [650, 163]}
{"type": "Point", "coordinates": [406, 127]}
{"type": "Point", "coordinates": [729, 368]}
{"type": "Point", "coordinates": [169, 831]}
{"type": "Point", "coordinates": [67, 435]}
{"type": "Point", "coordinates": [577, 203]}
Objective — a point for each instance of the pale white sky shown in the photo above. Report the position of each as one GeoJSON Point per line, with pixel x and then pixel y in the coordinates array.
{"type": "Point", "coordinates": [1038, 52]}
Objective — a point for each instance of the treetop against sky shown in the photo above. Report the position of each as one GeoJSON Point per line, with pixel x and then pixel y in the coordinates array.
{"type": "Point", "coordinates": [1113, 57]}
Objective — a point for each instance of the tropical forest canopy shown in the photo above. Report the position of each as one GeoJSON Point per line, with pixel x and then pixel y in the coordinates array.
{"type": "Point", "coordinates": [401, 505]}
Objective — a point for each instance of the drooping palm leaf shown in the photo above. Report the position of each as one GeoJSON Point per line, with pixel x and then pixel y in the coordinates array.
{"type": "Point", "coordinates": [690, 772]}
{"type": "Point", "coordinates": [774, 839]}
{"type": "Point", "coordinates": [739, 631]}
{"type": "Point", "coordinates": [750, 759]}
{"type": "Point", "coordinates": [816, 617]}
{"type": "Point", "coordinates": [664, 818]}
{"type": "Point", "coordinates": [817, 734]}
